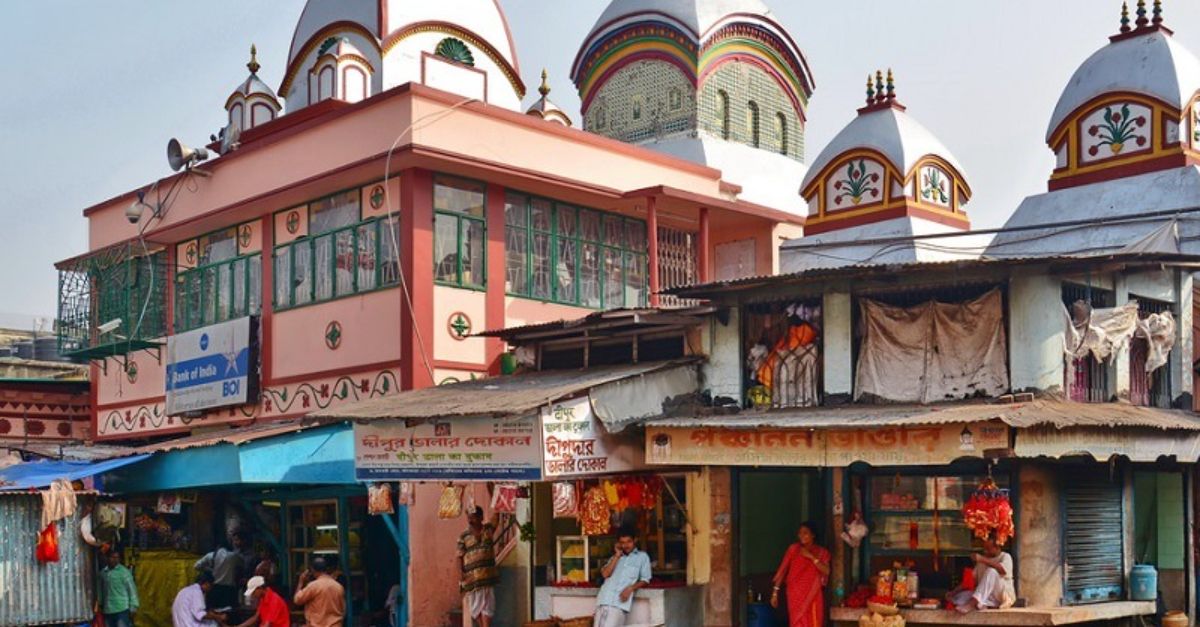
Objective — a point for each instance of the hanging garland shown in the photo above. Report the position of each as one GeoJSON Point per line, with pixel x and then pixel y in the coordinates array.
{"type": "Point", "coordinates": [988, 513]}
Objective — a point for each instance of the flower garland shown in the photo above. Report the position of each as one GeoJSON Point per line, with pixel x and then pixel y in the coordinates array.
{"type": "Point", "coordinates": [988, 513]}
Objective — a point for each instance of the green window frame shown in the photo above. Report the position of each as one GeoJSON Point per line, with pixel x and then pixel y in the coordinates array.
{"type": "Point", "coordinates": [349, 260]}
{"type": "Point", "coordinates": [557, 252]}
{"type": "Point", "coordinates": [459, 232]}
{"type": "Point", "coordinates": [218, 291]}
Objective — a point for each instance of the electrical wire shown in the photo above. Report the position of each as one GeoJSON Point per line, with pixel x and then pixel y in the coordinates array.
{"type": "Point", "coordinates": [393, 226]}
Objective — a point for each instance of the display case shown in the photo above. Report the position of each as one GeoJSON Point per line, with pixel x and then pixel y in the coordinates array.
{"type": "Point", "coordinates": [574, 565]}
{"type": "Point", "coordinates": [918, 518]}
{"type": "Point", "coordinates": [667, 541]}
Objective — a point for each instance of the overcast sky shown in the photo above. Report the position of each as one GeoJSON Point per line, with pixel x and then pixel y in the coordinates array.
{"type": "Point", "coordinates": [93, 91]}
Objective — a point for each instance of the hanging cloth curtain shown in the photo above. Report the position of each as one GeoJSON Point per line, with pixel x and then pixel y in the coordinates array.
{"type": "Point", "coordinates": [933, 351]}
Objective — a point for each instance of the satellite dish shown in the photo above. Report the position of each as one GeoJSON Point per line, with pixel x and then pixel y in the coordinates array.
{"type": "Point", "coordinates": [229, 138]}
{"type": "Point", "coordinates": [180, 155]}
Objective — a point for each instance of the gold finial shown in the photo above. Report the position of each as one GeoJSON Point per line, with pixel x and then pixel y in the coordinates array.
{"type": "Point", "coordinates": [253, 64]}
{"type": "Point", "coordinates": [1125, 17]}
{"type": "Point", "coordinates": [891, 85]}
{"type": "Point", "coordinates": [870, 90]}
{"type": "Point", "coordinates": [544, 88]}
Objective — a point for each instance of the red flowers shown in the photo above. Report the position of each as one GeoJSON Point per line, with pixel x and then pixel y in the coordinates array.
{"type": "Point", "coordinates": [988, 513]}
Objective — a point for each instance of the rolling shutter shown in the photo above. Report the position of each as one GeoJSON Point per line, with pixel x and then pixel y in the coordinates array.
{"type": "Point", "coordinates": [1093, 537]}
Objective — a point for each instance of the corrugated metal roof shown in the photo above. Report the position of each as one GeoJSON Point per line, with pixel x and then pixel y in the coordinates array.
{"type": "Point", "coordinates": [645, 315]}
{"type": "Point", "coordinates": [35, 593]}
{"type": "Point", "coordinates": [1061, 414]}
{"type": "Point", "coordinates": [74, 451]}
{"type": "Point", "coordinates": [496, 396]}
{"type": "Point", "coordinates": [864, 270]}
{"type": "Point", "coordinates": [235, 436]}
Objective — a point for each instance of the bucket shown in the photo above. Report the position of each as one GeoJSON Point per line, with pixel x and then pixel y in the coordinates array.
{"type": "Point", "coordinates": [760, 615]}
{"type": "Point", "coordinates": [1143, 583]}
{"type": "Point", "coordinates": [1175, 619]}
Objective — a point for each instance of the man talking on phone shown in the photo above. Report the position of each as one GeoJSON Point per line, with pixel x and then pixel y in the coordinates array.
{"type": "Point", "coordinates": [624, 573]}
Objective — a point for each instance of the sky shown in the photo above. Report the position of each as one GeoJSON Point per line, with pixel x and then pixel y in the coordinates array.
{"type": "Point", "coordinates": [96, 89]}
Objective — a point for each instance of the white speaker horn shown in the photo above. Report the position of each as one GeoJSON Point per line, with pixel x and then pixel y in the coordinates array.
{"type": "Point", "coordinates": [180, 155]}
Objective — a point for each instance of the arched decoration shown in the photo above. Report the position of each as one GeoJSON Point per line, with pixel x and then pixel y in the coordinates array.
{"type": "Point", "coordinates": [478, 43]}
{"type": "Point", "coordinates": [781, 129]}
{"type": "Point", "coordinates": [753, 121]}
{"type": "Point", "coordinates": [260, 114]}
{"type": "Point", "coordinates": [354, 84]}
{"type": "Point", "coordinates": [855, 181]}
{"type": "Point", "coordinates": [639, 40]}
{"type": "Point", "coordinates": [455, 50]}
{"type": "Point", "coordinates": [744, 41]}
{"type": "Point", "coordinates": [723, 112]}
{"type": "Point", "coordinates": [1193, 125]}
{"type": "Point", "coordinates": [325, 83]}
{"type": "Point", "coordinates": [235, 116]}
{"type": "Point", "coordinates": [1122, 134]}
{"type": "Point", "coordinates": [333, 31]}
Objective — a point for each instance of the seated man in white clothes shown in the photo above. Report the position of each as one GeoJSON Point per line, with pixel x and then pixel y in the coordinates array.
{"type": "Point", "coordinates": [993, 581]}
{"type": "Point", "coordinates": [626, 571]}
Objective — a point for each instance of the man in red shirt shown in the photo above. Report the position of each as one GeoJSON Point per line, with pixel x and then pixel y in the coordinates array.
{"type": "Point", "coordinates": [272, 609]}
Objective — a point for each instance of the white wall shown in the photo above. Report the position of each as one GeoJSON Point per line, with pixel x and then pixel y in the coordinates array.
{"type": "Point", "coordinates": [723, 370]}
{"type": "Point", "coordinates": [836, 315]}
{"type": "Point", "coordinates": [1035, 333]}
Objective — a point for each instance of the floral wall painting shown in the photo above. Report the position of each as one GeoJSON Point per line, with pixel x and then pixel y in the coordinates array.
{"type": "Point", "coordinates": [934, 186]}
{"type": "Point", "coordinates": [1114, 130]}
{"type": "Point", "coordinates": [858, 181]}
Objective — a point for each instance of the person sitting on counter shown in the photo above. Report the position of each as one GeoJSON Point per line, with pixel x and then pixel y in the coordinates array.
{"type": "Point", "coordinates": [624, 573]}
{"type": "Point", "coordinates": [993, 581]}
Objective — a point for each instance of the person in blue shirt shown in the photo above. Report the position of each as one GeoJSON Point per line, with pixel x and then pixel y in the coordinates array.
{"type": "Point", "coordinates": [624, 573]}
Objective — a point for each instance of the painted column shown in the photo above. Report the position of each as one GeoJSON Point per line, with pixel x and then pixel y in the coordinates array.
{"type": "Point", "coordinates": [703, 273]}
{"type": "Point", "coordinates": [1038, 542]}
{"type": "Point", "coordinates": [1182, 355]}
{"type": "Point", "coordinates": [1119, 369]}
{"type": "Point", "coordinates": [836, 313]}
{"type": "Point", "coordinates": [723, 369]}
{"type": "Point", "coordinates": [497, 280]}
{"type": "Point", "coordinates": [1035, 330]}
{"type": "Point", "coordinates": [267, 297]}
{"type": "Point", "coordinates": [416, 321]}
{"type": "Point", "coordinates": [652, 241]}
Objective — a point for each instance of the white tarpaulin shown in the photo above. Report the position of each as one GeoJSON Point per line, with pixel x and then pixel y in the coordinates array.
{"type": "Point", "coordinates": [1105, 332]}
{"type": "Point", "coordinates": [933, 351]}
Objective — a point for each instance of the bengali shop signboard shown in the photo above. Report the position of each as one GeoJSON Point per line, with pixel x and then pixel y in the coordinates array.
{"type": "Point", "coordinates": [576, 444]}
{"type": "Point", "coordinates": [882, 446]}
{"type": "Point", "coordinates": [462, 449]}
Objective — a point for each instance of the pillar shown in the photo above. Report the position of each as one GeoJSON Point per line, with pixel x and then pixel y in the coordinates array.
{"type": "Point", "coordinates": [1039, 538]}
{"type": "Point", "coordinates": [836, 314]}
{"type": "Point", "coordinates": [652, 247]}
{"type": "Point", "coordinates": [1119, 370]}
{"type": "Point", "coordinates": [416, 316]}
{"type": "Point", "coordinates": [267, 297]}
{"type": "Point", "coordinates": [1181, 356]}
{"type": "Point", "coordinates": [703, 273]}
{"type": "Point", "coordinates": [496, 275]}
{"type": "Point", "coordinates": [718, 601]}
{"type": "Point", "coordinates": [1035, 328]}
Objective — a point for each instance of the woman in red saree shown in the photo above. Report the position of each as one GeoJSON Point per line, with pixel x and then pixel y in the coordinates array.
{"type": "Point", "coordinates": [803, 572]}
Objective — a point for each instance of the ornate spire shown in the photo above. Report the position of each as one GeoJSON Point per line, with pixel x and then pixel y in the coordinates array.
{"type": "Point", "coordinates": [1142, 21]}
{"type": "Point", "coordinates": [1158, 18]}
{"type": "Point", "coordinates": [1125, 17]}
{"type": "Point", "coordinates": [879, 93]}
{"type": "Point", "coordinates": [544, 88]}
{"type": "Point", "coordinates": [870, 90]}
{"type": "Point", "coordinates": [891, 85]}
{"type": "Point", "coordinates": [253, 64]}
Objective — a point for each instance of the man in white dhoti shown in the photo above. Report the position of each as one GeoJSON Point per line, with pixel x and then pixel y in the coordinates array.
{"type": "Point", "coordinates": [993, 582]}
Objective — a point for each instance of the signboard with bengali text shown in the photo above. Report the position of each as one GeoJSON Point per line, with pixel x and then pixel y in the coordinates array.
{"type": "Point", "coordinates": [576, 444]}
{"type": "Point", "coordinates": [881, 446]}
{"type": "Point", "coordinates": [460, 449]}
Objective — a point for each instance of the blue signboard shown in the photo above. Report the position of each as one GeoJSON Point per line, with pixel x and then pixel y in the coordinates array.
{"type": "Point", "coordinates": [214, 366]}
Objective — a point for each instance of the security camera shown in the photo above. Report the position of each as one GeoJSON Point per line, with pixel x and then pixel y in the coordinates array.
{"type": "Point", "coordinates": [109, 327]}
{"type": "Point", "coordinates": [137, 208]}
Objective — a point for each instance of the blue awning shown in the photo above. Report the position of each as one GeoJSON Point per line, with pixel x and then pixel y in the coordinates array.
{"type": "Point", "coordinates": [41, 473]}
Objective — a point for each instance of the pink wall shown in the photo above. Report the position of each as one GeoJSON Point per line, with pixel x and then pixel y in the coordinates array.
{"type": "Point", "coordinates": [433, 547]}
{"type": "Point", "coordinates": [370, 334]}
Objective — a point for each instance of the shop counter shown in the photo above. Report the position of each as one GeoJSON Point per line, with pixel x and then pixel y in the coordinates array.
{"type": "Point", "coordinates": [1013, 617]}
{"type": "Point", "coordinates": [681, 606]}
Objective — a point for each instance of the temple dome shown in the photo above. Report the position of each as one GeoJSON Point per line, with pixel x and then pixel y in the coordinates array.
{"type": "Point", "coordinates": [462, 46]}
{"type": "Point", "coordinates": [698, 16]}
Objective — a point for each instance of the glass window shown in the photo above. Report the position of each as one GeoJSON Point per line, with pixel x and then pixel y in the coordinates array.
{"type": "Point", "coordinates": [223, 287]}
{"type": "Point", "coordinates": [333, 212]}
{"type": "Point", "coordinates": [460, 232]}
{"type": "Point", "coordinates": [562, 253]}
{"type": "Point", "coordinates": [341, 255]}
